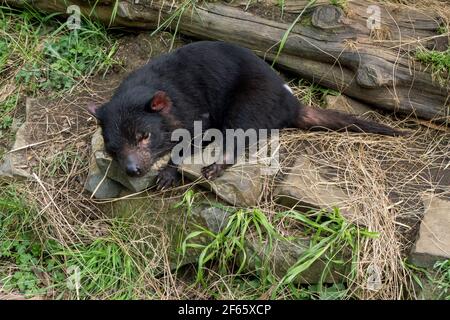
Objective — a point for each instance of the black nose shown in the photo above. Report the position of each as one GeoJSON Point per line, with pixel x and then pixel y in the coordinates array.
{"type": "Point", "coordinates": [133, 170]}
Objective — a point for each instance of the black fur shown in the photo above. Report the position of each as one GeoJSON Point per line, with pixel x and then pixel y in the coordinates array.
{"type": "Point", "coordinates": [229, 83]}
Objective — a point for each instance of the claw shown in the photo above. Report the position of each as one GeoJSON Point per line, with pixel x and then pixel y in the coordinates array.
{"type": "Point", "coordinates": [212, 171]}
{"type": "Point", "coordinates": [166, 179]}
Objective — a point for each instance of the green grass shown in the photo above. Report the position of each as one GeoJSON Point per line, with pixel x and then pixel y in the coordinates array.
{"type": "Point", "coordinates": [433, 283]}
{"type": "Point", "coordinates": [339, 3]}
{"type": "Point", "coordinates": [314, 94]}
{"type": "Point", "coordinates": [33, 266]}
{"type": "Point", "coordinates": [334, 242]}
{"type": "Point", "coordinates": [104, 269]}
{"type": "Point", "coordinates": [60, 163]}
{"type": "Point", "coordinates": [332, 239]}
{"type": "Point", "coordinates": [289, 30]}
{"type": "Point", "coordinates": [18, 248]}
{"type": "Point", "coordinates": [41, 56]}
{"type": "Point", "coordinates": [48, 55]}
{"type": "Point", "coordinates": [6, 109]}
{"type": "Point", "coordinates": [438, 61]}
{"type": "Point", "coordinates": [442, 279]}
{"type": "Point", "coordinates": [228, 247]}
{"type": "Point", "coordinates": [175, 17]}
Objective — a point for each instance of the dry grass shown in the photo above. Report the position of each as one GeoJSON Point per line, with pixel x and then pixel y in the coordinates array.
{"type": "Point", "coordinates": [383, 179]}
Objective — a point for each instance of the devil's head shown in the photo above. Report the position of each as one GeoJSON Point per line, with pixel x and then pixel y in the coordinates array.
{"type": "Point", "coordinates": [136, 128]}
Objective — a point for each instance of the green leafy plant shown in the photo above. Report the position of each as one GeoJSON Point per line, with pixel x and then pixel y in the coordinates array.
{"type": "Point", "coordinates": [442, 280]}
{"type": "Point", "coordinates": [5, 109]}
{"type": "Point", "coordinates": [31, 267]}
{"type": "Point", "coordinates": [228, 247]}
{"type": "Point", "coordinates": [332, 237]}
{"type": "Point", "coordinates": [314, 93]}
{"type": "Point", "coordinates": [50, 55]}
{"type": "Point", "coordinates": [438, 61]}
{"type": "Point", "coordinates": [333, 241]}
{"type": "Point", "coordinates": [289, 30]}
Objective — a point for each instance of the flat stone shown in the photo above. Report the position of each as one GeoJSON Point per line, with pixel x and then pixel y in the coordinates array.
{"type": "Point", "coordinates": [305, 188]}
{"type": "Point", "coordinates": [433, 243]}
{"type": "Point", "coordinates": [113, 171]}
{"type": "Point", "coordinates": [285, 253]}
{"type": "Point", "coordinates": [98, 185]}
{"type": "Point", "coordinates": [15, 163]}
{"type": "Point", "coordinates": [346, 104]}
{"type": "Point", "coordinates": [240, 185]}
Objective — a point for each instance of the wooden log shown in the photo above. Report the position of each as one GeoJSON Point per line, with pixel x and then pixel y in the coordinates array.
{"type": "Point", "coordinates": [329, 45]}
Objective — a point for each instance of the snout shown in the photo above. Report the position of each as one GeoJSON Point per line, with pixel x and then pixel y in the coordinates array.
{"type": "Point", "coordinates": [133, 167]}
{"type": "Point", "coordinates": [133, 170]}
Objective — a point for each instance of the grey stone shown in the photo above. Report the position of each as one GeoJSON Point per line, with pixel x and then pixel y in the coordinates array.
{"type": "Point", "coordinates": [104, 187]}
{"type": "Point", "coordinates": [433, 243]}
{"type": "Point", "coordinates": [285, 253]}
{"type": "Point", "coordinates": [240, 185]}
{"type": "Point", "coordinates": [305, 188]}
{"type": "Point", "coordinates": [214, 218]}
{"type": "Point", "coordinates": [15, 164]}
{"type": "Point", "coordinates": [106, 164]}
{"type": "Point", "coordinates": [346, 104]}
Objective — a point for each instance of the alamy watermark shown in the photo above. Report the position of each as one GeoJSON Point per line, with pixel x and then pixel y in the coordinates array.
{"type": "Point", "coordinates": [374, 19]}
{"type": "Point", "coordinates": [249, 146]}
{"type": "Point", "coordinates": [74, 279]}
{"type": "Point", "coordinates": [374, 282]}
{"type": "Point", "coordinates": [74, 19]}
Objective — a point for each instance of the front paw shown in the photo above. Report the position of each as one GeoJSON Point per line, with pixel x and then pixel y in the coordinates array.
{"type": "Point", "coordinates": [167, 177]}
{"type": "Point", "coordinates": [213, 171]}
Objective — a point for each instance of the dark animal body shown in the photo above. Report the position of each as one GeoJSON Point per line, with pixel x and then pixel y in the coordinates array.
{"type": "Point", "coordinates": [229, 84]}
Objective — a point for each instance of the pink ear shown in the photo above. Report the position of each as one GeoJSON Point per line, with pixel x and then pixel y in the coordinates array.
{"type": "Point", "coordinates": [92, 108]}
{"type": "Point", "coordinates": [161, 102]}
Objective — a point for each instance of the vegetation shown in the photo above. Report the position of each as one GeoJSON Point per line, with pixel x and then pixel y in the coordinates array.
{"type": "Point", "coordinates": [438, 61]}
{"type": "Point", "coordinates": [120, 258]}
{"type": "Point", "coordinates": [228, 253]}
{"type": "Point", "coordinates": [41, 55]}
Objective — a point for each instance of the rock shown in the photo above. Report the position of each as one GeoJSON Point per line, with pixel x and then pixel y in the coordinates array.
{"type": "Point", "coordinates": [240, 185]}
{"type": "Point", "coordinates": [346, 104]}
{"type": "Point", "coordinates": [104, 187]}
{"type": "Point", "coordinates": [285, 253]}
{"type": "Point", "coordinates": [15, 163]}
{"type": "Point", "coordinates": [305, 187]}
{"type": "Point", "coordinates": [172, 221]}
{"type": "Point", "coordinates": [433, 243]}
{"type": "Point", "coordinates": [106, 164]}
{"type": "Point", "coordinates": [215, 219]}
{"type": "Point", "coordinates": [178, 222]}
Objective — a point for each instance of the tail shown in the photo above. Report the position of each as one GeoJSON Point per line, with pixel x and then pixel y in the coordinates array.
{"type": "Point", "coordinates": [316, 119]}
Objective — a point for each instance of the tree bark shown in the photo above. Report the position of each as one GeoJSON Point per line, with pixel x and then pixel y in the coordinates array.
{"type": "Point", "coordinates": [329, 45]}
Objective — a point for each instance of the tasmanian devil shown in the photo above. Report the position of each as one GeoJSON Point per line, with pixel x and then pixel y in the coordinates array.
{"type": "Point", "coordinates": [229, 84]}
